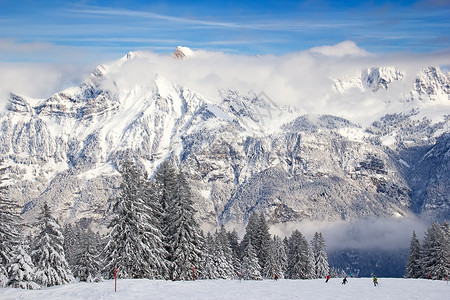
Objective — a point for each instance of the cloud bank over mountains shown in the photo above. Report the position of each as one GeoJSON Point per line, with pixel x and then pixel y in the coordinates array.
{"type": "Point", "coordinates": [303, 79]}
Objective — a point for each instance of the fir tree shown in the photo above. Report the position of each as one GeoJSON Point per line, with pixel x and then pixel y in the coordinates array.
{"type": "Point", "coordinates": [222, 255]}
{"type": "Point", "coordinates": [273, 266]}
{"type": "Point", "coordinates": [21, 271]}
{"type": "Point", "coordinates": [276, 261]}
{"type": "Point", "coordinates": [86, 260]}
{"type": "Point", "coordinates": [446, 245]}
{"type": "Point", "coordinates": [435, 260]}
{"type": "Point", "coordinates": [251, 270]}
{"type": "Point", "coordinates": [223, 236]}
{"type": "Point", "coordinates": [164, 190]}
{"type": "Point", "coordinates": [299, 257]}
{"type": "Point", "coordinates": [135, 243]}
{"type": "Point", "coordinates": [234, 245]}
{"type": "Point", "coordinates": [182, 231]}
{"type": "Point", "coordinates": [208, 267]}
{"type": "Point", "coordinates": [48, 252]}
{"type": "Point", "coordinates": [251, 233]}
{"type": "Point", "coordinates": [71, 243]}
{"type": "Point", "coordinates": [321, 268]}
{"type": "Point", "coordinates": [10, 236]}
{"type": "Point", "coordinates": [280, 255]}
{"type": "Point", "coordinates": [414, 265]}
{"type": "Point", "coordinates": [264, 241]}
{"type": "Point", "coordinates": [201, 264]}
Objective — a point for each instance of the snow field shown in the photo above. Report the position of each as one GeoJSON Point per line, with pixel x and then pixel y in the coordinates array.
{"type": "Point", "coordinates": [356, 288]}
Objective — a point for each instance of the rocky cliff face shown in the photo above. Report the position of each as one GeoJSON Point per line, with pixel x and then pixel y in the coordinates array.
{"type": "Point", "coordinates": [241, 154]}
{"type": "Point", "coordinates": [429, 180]}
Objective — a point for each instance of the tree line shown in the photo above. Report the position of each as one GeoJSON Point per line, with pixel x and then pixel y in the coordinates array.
{"type": "Point", "coordinates": [431, 259]}
{"type": "Point", "coordinates": [152, 234]}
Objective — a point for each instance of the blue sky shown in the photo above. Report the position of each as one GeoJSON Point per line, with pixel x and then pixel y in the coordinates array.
{"type": "Point", "coordinates": [62, 30]}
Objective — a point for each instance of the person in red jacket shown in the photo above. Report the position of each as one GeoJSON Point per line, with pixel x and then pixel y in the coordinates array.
{"type": "Point", "coordinates": [328, 278]}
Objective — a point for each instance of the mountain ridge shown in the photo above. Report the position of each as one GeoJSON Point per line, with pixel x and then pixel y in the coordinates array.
{"type": "Point", "coordinates": [240, 152]}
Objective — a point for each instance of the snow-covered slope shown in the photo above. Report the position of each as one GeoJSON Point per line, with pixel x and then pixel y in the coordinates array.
{"type": "Point", "coordinates": [357, 288]}
{"type": "Point", "coordinates": [241, 151]}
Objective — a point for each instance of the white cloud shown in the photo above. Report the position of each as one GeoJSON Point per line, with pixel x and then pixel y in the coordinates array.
{"type": "Point", "coordinates": [370, 233]}
{"type": "Point", "coordinates": [37, 80]}
{"type": "Point", "coordinates": [303, 79]}
{"type": "Point", "coordinates": [346, 48]}
{"type": "Point", "coordinates": [39, 70]}
{"type": "Point", "coordinates": [151, 15]}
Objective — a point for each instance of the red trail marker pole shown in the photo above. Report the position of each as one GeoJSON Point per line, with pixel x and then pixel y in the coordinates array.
{"type": "Point", "coordinates": [115, 280]}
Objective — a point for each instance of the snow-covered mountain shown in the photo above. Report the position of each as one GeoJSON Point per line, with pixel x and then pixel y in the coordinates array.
{"type": "Point", "coordinates": [371, 79]}
{"type": "Point", "coordinates": [182, 52]}
{"type": "Point", "coordinates": [240, 151]}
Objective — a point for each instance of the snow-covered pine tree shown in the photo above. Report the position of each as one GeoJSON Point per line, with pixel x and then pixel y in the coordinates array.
{"type": "Point", "coordinates": [183, 232]}
{"type": "Point", "coordinates": [21, 271]}
{"type": "Point", "coordinates": [199, 270]}
{"type": "Point", "coordinates": [274, 261]}
{"type": "Point", "coordinates": [434, 253]}
{"type": "Point", "coordinates": [164, 185]}
{"type": "Point", "coordinates": [208, 267]}
{"type": "Point", "coordinates": [222, 255]}
{"type": "Point", "coordinates": [264, 241]}
{"type": "Point", "coordinates": [446, 232]}
{"type": "Point", "coordinates": [10, 236]}
{"type": "Point", "coordinates": [72, 246]}
{"type": "Point", "coordinates": [318, 247]}
{"type": "Point", "coordinates": [251, 233]}
{"type": "Point", "coordinates": [414, 264]}
{"type": "Point", "coordinates": [48, 253]}
{"type": "Point", "coordinates": [86, 260]}
{"type": "Point", "coordinates": [286, 243]}
{"type": "Point", "coordinates": [280, 255]}
{"type": "Point", "coordinates": [271, 266]}
{"type": "Point", "coordinates": [135, 243]}
{"type": "Point", "coordinates": [215, 266]}
{"type": "Point", "coordinates": [299, 257]}
{"type": "Point", "coordinates": [226, 247]}
{"type": "Point", "coordinates": [251, 270]}
{"type": "Point", "coordinates": [334, 272]}
{"type": "Point", "coordinates": [163, 191]}
{"type": "Point", "coordinates": [69, 242]}
{"type": "Point", "coordinates": [233, 238]}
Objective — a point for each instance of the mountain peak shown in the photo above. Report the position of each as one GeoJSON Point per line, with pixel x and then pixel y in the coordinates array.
{"type": "Point", "coordinates": [380, 77]}
{"type": "Point", "coordinates": [182, 52]}
{"type": "Point", "coordinates": [130, 55]}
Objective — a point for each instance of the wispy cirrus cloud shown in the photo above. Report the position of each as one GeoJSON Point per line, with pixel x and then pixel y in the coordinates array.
{"type": "Point", "coordinates": [252, 28]}
{"type": "Point", "coordinates": [149, 15]}
{"type": "Point", "coordinates": [386, 27]}
{"type": "Point", "coordinates": [284, 23]}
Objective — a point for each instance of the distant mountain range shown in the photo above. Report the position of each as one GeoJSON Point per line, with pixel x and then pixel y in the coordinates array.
{"type": "Point", "coordinates": [241, 153]}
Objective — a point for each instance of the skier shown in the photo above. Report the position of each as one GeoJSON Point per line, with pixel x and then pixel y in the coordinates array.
{"type": "Point", "coordinates": [328, 278]}
{"type": "Point", "coordinates": [375, 281]}
{"type": "Point", "coordinates": [275, 277]}
{"type": "Point", "coordinates": [345, 280]}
